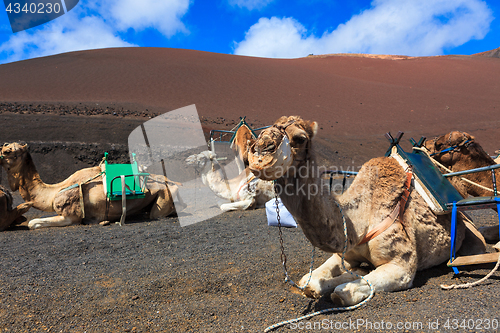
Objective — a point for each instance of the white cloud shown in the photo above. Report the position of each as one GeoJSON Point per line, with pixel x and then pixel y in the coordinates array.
{"type": "Point", "coordinates": [412, 27]}
{"type": "Point", "coordinates": [165, 16]}
{"type": "Point", "coordinates": [92, 25]}
{"type": "Point", "coordinates": [250, 4]}
{"type": "Point", "coordinates": [64, 35]}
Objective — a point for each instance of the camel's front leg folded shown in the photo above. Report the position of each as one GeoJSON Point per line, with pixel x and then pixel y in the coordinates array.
{"type": "Point", "coordinates": [53, 221]}
{"type": "Point", "coordinates": [238, 205]}
{"type": "Point", "coordinates": [387, 277]}
{"type": "Point", "coordinates": [329, 275]}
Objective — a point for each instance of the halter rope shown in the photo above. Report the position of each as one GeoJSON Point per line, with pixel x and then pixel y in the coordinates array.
{"type": "Point", "coordinates": [346, 308]}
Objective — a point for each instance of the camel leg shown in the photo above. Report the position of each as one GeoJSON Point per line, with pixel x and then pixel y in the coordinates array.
{"type": "Point", "coordinates": [20, 210]}
{"type": "Point", "coordinates": [329, 275]}
{"type": "Point", "coordinates": [239, 163]}
{"type": "Point", "coordinates": [238, 205]}
{"type": "Point", "coordinates": [164, 204]}
{"type": "Point", "coordinates": [12, 217]}
{"type": "Point", "coordinates": [54, 221]}
{"type": "Point", "coordinates": [387, 277]}
{"type": "Point", "coordinates": [180, 205]}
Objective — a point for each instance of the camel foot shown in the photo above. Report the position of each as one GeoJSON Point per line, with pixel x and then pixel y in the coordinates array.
{"type": "Point", "coordinates": [105, 222]}
{"type": "Point", "coordinates": [24, 207]}
{"type": "Point", "coordinates": [310, 293]}
{"type": "Point", "coordinates": [33, 224]}
{"type": "Point", "coordinates": [350, 293]}
{"type": "Point", "coordinates": [497, 246]}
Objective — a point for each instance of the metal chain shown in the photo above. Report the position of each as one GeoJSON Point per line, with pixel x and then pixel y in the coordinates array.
{"type": "Point", "coordinates": [278, 218]}
{"type": "Point", "coordinates": [352, 307]}
{"type": "Point", "coordinates": [282, 247]}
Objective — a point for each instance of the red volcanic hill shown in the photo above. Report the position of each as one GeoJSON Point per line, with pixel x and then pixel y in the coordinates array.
{"type": "Point", "coordinates": [355, 98]}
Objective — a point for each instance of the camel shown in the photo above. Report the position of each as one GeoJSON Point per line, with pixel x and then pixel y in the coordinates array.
{"type": "Point", "coordinates": [65, 199]}
{"type": "Point", "coordinates": [419, 240]}
{"type": "Point", "coordinates": [243, 138]}
{"type": "Point", "coordinates": [245, 191]}
{"type": "Point", "coordinates": [9, 216]}
{"type": "Point", "coordinates": [466, 154]}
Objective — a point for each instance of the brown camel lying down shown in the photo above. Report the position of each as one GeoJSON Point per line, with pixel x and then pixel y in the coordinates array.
{"type": "Point", "coordinates": [24, 177]}
{"type": "Point", "coordinates": [418, 240]}
{"type": "Point", "coordinates": [466, 154]}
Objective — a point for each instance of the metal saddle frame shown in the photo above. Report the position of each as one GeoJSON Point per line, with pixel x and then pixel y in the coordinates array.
{"type": "Point", "coordinates": [131, 183]}
{"type": "Point", "coordinates": [446, 196]}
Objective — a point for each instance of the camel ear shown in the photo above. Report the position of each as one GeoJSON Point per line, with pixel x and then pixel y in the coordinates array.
{"type": "Point", "coordinates": [314, 128]}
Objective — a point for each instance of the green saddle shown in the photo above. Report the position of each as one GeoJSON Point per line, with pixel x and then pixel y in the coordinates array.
{"type": "Point", "coordinates": [134, 181]}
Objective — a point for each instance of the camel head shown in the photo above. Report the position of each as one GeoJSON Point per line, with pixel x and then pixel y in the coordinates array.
{"type": "Point", "coordinates": [202, 160]}
{"type": "Point", "coordinates": [12, 154]}
{"type": "Point", "coordinates": [449, 148]}
{"type": "Point", "coordinates": [11, 157]}
{"type": "Point", "coordinates": [287, 143]}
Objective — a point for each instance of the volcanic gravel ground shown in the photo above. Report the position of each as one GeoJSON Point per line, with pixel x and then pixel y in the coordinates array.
{"type": "Point", "coordinates": [220, 275]}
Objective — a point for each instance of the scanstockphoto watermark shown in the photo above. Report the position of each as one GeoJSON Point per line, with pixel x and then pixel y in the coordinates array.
{"type": "Point", "coordinates": [323, 180]}
{"type": "Point", "coordinates": [360, 324]}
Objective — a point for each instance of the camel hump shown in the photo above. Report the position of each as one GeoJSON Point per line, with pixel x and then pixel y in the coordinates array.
{"type": "Point", "coordinates": [380, 181]}
{"type": "Point", "coordinates": [385, 172]}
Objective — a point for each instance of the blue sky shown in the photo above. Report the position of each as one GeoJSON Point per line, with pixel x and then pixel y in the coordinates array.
{"type": "Point", "coordinates": [265, 28]}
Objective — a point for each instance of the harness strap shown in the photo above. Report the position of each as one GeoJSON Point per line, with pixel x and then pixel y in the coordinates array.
{"type": "Point", "coordinates": [389, 220]}
{"type": "Point", "coordinates": [81, 201]}
{"type": "Point", "coordinates": [405, 196]}
{"type": "Point", "coordinates": [452, 148]}
{"type": "Point", "coordinates": [398, 211]}
{"type": "Point", "coordinates": [79, 184]}
{"type": "Point", "coordinates": [241, 187]}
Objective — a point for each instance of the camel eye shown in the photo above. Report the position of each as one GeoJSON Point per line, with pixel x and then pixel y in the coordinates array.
{"type": "Point", "coordinates": [300, 139]}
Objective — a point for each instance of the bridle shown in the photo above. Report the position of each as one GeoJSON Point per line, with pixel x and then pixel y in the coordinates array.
{"type": "Point", "coordinates": [465, 143]}
{"type": "Point", "coordinates": [282, 131]}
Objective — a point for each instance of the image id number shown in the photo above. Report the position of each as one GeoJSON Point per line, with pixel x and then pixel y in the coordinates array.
{"type": "Point", "coordinates": [33, 8]}
{"type": "Point", "coordinates": [471, 324]}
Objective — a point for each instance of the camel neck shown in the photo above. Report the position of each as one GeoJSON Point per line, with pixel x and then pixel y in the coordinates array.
{"type": "Point", "coordinates": [32, 188]}
{"type": "Point", "coordinates": [482, 178]}
{"type": "Point", "coordinates": [317, 212]}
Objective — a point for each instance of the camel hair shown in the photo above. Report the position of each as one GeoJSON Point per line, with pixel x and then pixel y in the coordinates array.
{"type": "Point", "coordinates": [421, 239]}
{"type": "Point", "coordinates": [245, 191]}
{"type": "Point", "coordinates": [23, 176]}
{"type": "Point", "coordinates": [467, 154]}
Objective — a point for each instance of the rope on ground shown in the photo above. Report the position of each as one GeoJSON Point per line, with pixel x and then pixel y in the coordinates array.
{"type": "Point", "coordinates": [347, 308]}
{"type": "Point", "coordinates": [471, 284]}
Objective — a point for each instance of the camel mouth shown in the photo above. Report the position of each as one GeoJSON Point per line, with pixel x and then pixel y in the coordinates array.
{"type": "Point", "coordinates": [269, 158]}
